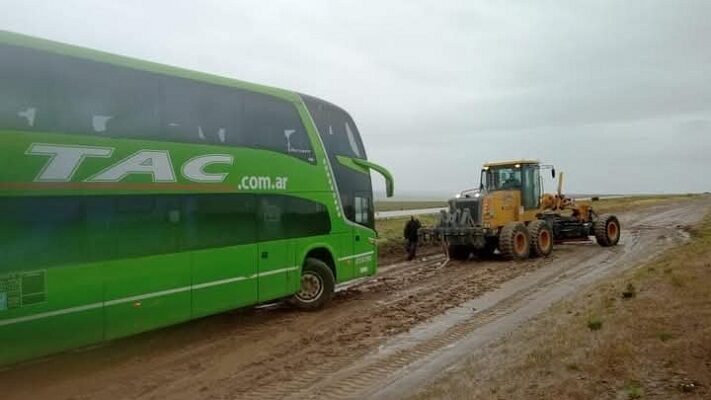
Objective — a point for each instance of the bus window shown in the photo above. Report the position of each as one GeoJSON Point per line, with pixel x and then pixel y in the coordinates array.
{"type": "Point", "coordinates": [274, 124]}
{"type": "Point", "coordinates": [40, 231]}
{"type": "Point", "coordinates": [200, 113]}
{"type": "Point", "coordinates": [24, 83]}
{"type": "Point", "coordinates": [218, 220]}
{"type": "Point", "coordinates": [103, 100]}
{"type": "Point", "coordinates": [363, 211]}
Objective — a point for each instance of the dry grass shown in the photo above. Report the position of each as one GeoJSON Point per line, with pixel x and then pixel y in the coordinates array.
{"type": "Point", "coordinates": [635, 202]}
{"type": "Point", "coordinates": [391, 244]}
{"type": "Point", "coordinates": [606, 343]}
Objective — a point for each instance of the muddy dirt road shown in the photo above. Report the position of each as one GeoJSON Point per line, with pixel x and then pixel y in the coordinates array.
{"type": "Point", "coordinates": [381, 338]}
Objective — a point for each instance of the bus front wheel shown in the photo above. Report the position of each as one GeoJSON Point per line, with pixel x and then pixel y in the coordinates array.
{"type": "Point", "coordinates": [317, 285]}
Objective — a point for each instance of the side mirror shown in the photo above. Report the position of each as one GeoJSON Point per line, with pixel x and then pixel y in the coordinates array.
{"type": "Point", "coordinates": [553, 173]}
{"type": "Point", "coordinates": [481, 186]}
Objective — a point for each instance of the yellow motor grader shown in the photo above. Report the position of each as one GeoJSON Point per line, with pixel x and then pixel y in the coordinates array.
{"type": "Point", "coordinates": [510, 213]}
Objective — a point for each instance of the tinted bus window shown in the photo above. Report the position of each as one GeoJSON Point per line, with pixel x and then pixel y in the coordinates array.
{"type": "Point", "coordinates": [219, 220]}
{"type": "Point", "coordinates": [201, 113]}
{"type": "Point", "coordinates": [24, 85]}
{"type": "Point", "coordinates": [47, 231]}
{"type": "Point", "coordinates": [283, 217]}
{"type": "Point", "coordinates": [56, 93]}
{"type": "Point", "coordinates": [41, 231]}
{"type": "Point", "coordinates": [103, 100]}
{"type": "Point", "coordinates": [273, 124]}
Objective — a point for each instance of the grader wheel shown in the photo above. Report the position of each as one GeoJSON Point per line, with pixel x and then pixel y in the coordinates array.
{"type": "Point", "coordinates": [607, 230]}
{"type": "Point", "coordinates": [514, 242]}
{"type": "Point", "coordinates": [541, 238]}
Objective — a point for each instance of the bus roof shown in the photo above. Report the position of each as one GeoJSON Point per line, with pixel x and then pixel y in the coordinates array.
{"type": "Point", "coordinates": [17, 39]}
{"type": "Point", "coordinates": [509, 162]}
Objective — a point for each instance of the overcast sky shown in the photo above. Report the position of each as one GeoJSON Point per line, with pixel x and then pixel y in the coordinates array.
{"type": "Point", "coordinates": [615, 93]}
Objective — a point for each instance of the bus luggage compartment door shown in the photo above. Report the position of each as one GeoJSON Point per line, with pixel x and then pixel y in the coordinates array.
{"type": "Point", "coordinates": [276, 263]}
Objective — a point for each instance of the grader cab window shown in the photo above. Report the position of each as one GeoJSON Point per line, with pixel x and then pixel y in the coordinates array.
{"type": "Point", "coordinates": [531, 191]}
{"type": "Point", "coordinates": [503, 179]}
{"type": "Point", "coordinates": [525, 178]}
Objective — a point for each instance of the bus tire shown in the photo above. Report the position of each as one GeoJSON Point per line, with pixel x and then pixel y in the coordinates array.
{"type": "Point", "coordinates": [317, 286]}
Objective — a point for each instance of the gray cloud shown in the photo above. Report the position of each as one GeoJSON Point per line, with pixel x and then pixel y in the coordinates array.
{"type": "Point", "coordinates": [618, 94]}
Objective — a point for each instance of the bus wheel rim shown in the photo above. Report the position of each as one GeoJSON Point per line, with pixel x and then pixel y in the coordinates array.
{"type": "Point", "coordinates": [311, 287]}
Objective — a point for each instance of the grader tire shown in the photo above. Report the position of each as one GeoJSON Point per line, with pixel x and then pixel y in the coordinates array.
{"type": "Point", "coordinates": [541, 238]}
{"type": "Point", "coordinates": [607, 230]}
{"type": "Point", "coordinates": [514, 241]}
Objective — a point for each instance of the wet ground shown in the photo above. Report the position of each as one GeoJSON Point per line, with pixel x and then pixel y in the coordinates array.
{"type": "Point", "coordinates": [381, 338]}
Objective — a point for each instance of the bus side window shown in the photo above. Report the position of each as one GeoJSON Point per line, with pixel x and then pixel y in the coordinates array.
{"type": "Point", "coordinates": [217, 220]}
{"type": "Point", "coordinates": [198, 112]}
{"type": "Point", "coordinates": [24, 89]}
{"type": "Point", "coordinates": [363, 211]}
{"type": "Point", "coordinates": [274, 124]}
{"type": "Point", "coordinates": [99, 99]}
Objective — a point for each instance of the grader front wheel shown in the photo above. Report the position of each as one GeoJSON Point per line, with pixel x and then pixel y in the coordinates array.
{"type": "Point", "coordinates": [514, 242]}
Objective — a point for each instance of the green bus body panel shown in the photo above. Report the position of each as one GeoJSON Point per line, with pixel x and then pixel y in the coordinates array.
{"type": "Point", "coordinates": [45, 309]}
{"type": "Point", "coordinates": [233, 265]}
{"type": "Point", "coordinates": [18, 170]}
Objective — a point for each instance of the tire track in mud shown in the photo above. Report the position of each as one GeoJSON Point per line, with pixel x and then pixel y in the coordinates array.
{"type": "Point", "coordinates": [377, 375]}
{"type": "Point", "coordinates": [377, 332]}
{"type": "Point", "coordinates": [389, 316]}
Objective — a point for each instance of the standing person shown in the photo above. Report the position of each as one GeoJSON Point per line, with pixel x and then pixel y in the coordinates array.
{"type": "Point", "coordinates": [410, 234]}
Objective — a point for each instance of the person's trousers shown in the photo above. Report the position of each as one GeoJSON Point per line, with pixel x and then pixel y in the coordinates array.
{"type": "Point", "coordinates": [411, 249]}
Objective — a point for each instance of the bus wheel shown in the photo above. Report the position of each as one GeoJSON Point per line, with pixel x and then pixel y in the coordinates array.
{"type": "Point", "coordinates": [317, 285]}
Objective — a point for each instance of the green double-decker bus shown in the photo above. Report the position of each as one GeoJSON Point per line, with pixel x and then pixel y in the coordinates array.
{"type": "Point", "coordinates": [135, 195]}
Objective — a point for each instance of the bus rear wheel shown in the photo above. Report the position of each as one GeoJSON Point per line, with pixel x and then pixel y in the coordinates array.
{"type": "Point", "coordinates": [317, 285]}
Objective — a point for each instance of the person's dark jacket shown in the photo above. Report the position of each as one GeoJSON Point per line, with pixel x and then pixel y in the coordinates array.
{"type": "Point", "coordinates": [411, 228]}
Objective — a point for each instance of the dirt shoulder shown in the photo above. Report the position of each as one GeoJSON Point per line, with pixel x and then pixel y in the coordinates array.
{"type": "Point", "coordinates": [642, 334]}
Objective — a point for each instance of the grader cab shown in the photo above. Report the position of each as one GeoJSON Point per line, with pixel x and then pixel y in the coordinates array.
{"type": "Point", "coordinates": [509, 212]}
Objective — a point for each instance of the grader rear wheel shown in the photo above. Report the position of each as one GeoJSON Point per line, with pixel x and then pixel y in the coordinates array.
{"type": "Point", "coordinates": [514, 241]}
{"type": "Point", "coordinates": [541, 238]}
{"type": "Point", "coordinates": [607, 230]}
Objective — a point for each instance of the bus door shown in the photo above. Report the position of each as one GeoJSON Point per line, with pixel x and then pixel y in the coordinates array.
{"type": "Point", "coordinates": [363, 235]}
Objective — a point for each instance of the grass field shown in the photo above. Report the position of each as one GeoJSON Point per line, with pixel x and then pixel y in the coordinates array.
{"type": "Point", "coordinates": [621, 204]}
{"type": "Point", "coordinates": [644, 334]}
{"type": "Point", "coordinates": [391, 242]}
